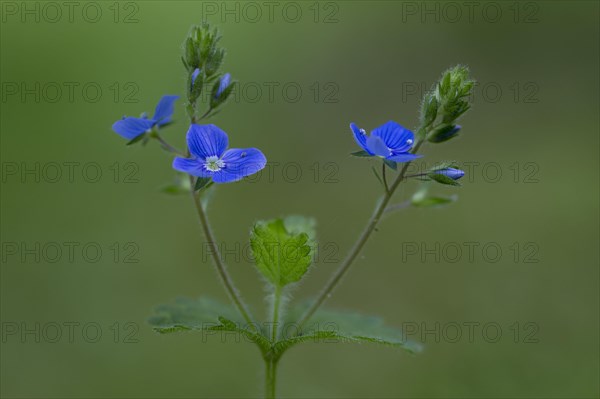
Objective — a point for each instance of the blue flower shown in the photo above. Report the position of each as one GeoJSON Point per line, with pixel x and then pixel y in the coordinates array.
{"type": "Point", "coordinates": [452, 173]}
{"type": "Point", "coordinates": [211, 159]}
{"type": "Point", "coordinates": [130, 127]}
{"type": "Point", "coordinates": [390, 141]}
{"type": "Point", "coordinates": [223, 85]}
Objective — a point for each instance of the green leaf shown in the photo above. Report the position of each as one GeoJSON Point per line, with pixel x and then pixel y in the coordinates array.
{"type": "Point", "coordinates": [296, 224]}
{"type": "Point", "coordinates": [203, 314]}
{"type": "Point", "coordinates": [422, 199]}
{"type": "Point", "coordinates": [189, 314]}
{"type": "Point", "coordinates": [361, 154]}
{"type": "Point", "coordinates": [335, 326]}
{"type": "Point", "coordinates": [428, 202]}
{"type": "Point", "coordinates": [227, 325]}
{"type": "Point", "coordinates": [280, 256]}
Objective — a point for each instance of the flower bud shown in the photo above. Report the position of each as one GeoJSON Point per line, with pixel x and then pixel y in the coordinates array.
{"type": "Point", "coordinates": [443, 133]}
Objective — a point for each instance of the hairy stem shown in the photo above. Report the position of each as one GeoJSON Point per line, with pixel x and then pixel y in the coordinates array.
{"type": "Point", "coordinates": [270, 378]}
{"type": "Point", "coordinates": [276, 307]}
{"type": "Point", "coordinates": [358, 245]}
{"type": "Point", "coordinates": [220, 266]}
{"type": "Point", "coordinates": [168, 146]}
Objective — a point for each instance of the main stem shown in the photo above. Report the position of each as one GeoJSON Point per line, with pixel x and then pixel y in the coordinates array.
{"type": "Point", "coordinates": [270, 378]}
{"type": "Point", "coordinates": [358, 245]}
{"type": "Point", "coordinates": [276, 306]}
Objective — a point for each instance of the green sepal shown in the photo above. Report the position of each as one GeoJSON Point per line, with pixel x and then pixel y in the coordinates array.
{"type": "Point", "coordinates": [202, 182]}
{"type": "Point", "coordinates": [443, 179]}
{"type": "Point", "coordinates": [192, 56]}
{"type": "Point", "coordinates": [443, 133]}
{"type": "Point", "coordinates": [196, 88]}
{"type": "Point", "coordinates": [429, 109]}
{"type": "Point", "coordinates": [390, 164]}
{"type": "Point", "coordinates": [137, 139]}
{"type": "Point", "coordinates": [214, 101]}
{"type": "Point", "coordinates": [361, 154]}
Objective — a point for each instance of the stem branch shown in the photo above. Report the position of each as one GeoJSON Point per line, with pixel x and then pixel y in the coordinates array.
{"type": "Point", "coordinates": [358, 245]}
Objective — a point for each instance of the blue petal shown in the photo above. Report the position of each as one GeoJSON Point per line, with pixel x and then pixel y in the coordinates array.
{"type": "Point", "coordinates": [194, 167]}
{"type": "Point", "coordinates": [131, 127]}
{"type": "Point", "coordinates": [406, 157]}
{"type": "Point", "coordinates": [377, 146]}
{"type": "Point", "coordinates": [360, 137]}
{"type": "Point", "coordinates": [452, 173]}
{"type": "Point", "coordinates": [164, 109]}
{"type": "Point", "coordinates": [223, 84]}
{"type": "Point", "coordinates": [395, 136]}
{"type": "Point", "coordinates": [194, 76]}
{"type": "Point", "coordinates": [206, 141]}
{"type": "Point", "coordinates": [239, 163]}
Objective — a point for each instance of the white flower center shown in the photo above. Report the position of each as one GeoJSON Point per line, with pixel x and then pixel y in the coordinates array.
{"type": "Point", "coordinates": [409, 141]}
{"type": "Point", "coordinates": [214, 164]}
{"type": "Point", "coordinates": [362, 131]}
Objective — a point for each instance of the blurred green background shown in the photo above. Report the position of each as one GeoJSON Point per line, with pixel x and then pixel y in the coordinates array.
{"type": "Point", "coordinates": [535, 112]}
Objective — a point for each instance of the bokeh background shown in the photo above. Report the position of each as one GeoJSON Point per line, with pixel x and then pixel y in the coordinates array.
{"type": "Point", "coordinates": [532, 191]}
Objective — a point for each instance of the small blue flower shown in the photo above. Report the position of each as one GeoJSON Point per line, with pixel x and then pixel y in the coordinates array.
{"type": "Point", "coordinates": [130, 127]}
{"type": "Point", "coordinates": [211, 159]}
{"type": "Point", "coordinates": [452, 173]}
{"type": "Point", "coordinates": [390, 141]}
{"type": "Point", "coordinates": [223, 85]}
{"type": "Point", "coordinates": [194, 76]}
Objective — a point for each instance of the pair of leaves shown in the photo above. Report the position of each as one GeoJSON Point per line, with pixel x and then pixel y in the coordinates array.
{"type": "Point", "coordinates": [282, 254]}
{"type": "Point", "coordinates": [326, 326]}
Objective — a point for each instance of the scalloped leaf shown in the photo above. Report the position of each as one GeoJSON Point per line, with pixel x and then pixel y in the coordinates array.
{"type": "Point", "coordinates": [190, 314]}
{"type": "Point", "coordinates": [345, 327]}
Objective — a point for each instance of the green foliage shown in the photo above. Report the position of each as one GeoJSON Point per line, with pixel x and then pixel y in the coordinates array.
{"type": "Point", "coordinates": [281, 256]}
{"type": "Point", "coordinates": [203, 314]}
{"type": "Point", "coordinates": [446, 102]}
{"type": "Point", "coordinates": [190, 314]}
{"type": "Point", "coordinates": [296, 224]}
{"type": "Point", "coordinates": [422, 199]}
{"type": "Point", "coordinates": [341, 327]}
